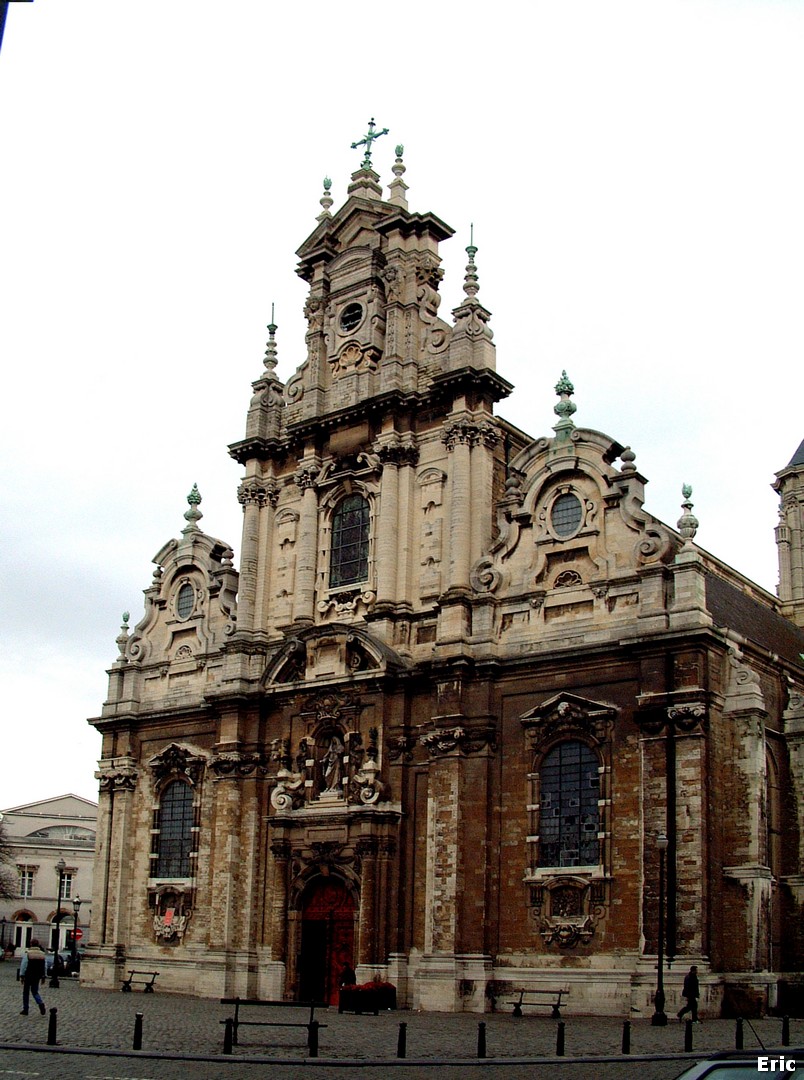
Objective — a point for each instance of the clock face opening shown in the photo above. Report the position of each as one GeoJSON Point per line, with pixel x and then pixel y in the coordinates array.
{"type": "Point", "coordinates": [351, 317]}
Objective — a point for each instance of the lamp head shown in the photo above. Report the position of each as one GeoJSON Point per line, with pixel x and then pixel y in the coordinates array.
{"type": "Point", "coordinates": [662, 841]}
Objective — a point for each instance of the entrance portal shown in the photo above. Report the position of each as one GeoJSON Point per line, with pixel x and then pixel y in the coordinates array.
{"type": "Point", "coordinates": [327, 939]}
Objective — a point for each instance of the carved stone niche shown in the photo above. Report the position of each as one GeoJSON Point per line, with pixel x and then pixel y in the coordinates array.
{"type": "Point", "coordinates": [172, 909]}
{"type": "Point", "coordinates": [566, 909]}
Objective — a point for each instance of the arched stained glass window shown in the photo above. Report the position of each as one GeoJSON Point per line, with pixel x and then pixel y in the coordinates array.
{"type": "Point", "coordinates": [348, 563]}
{"type": "Point", "coordinates": [568, 809]}
{"type": "Point", "coordinates": [174, 839]}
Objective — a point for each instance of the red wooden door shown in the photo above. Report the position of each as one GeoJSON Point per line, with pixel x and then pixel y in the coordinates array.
{"type": "Point", "coordinates": [327, 943]}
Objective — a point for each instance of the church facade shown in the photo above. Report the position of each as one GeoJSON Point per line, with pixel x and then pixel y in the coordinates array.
{"type": "Point", "coordinates": [467, 712]}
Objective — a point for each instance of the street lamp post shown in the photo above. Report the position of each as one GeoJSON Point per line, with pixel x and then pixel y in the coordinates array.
{"type": "Point", "coordinates": [659, 1018]}
{"type": "Point", "coordinates": [61, 866]}
{"type": "Point", "coordinates": [76, 906]}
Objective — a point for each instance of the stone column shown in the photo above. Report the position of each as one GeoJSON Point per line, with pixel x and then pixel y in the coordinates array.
{"type": "Point", "coordinates": [265, 558]}
{"type": "Point", "coordinates": [366, 848]}
{"type": "Point", "coordinates": [251, 495]}
{"type": "Point", "coordinates": [278, 926]}
{"type": "Point", "coordinates": [406, 538]}
{"type": "Point", "coordinates": [388, 528]}
{"type": "Point", "coordinates": [458, 438]}
{"type": "Point", "coordinates": [304, 598]}
{"type": "Point", "coordinates": [482, 487]}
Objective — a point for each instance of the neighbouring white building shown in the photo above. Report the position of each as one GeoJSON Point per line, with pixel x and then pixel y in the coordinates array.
{"type": "Point", "coordinates": [52, 841]}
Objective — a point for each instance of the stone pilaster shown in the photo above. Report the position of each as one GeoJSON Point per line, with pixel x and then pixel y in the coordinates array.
{"type": "Point", "coordinates": [747, 909]}
{"type": "Point", "coordinates": [112, 887]}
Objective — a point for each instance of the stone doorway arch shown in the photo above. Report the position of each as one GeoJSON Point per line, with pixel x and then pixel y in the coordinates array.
{"type": "Point", "coordinates": [327, 938]}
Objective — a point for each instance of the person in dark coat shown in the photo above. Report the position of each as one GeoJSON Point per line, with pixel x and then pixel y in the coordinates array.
{"type": "Point", "coordinates": [691, 991]}
{"type": "Point", "coordinates": [32, 973]}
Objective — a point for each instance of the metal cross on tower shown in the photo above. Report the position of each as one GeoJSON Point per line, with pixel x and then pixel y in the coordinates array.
{"type": "Point", "coordinates": [367, 140]}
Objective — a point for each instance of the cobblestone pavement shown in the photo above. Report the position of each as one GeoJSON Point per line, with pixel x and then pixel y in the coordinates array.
{"type": "Point", "coordinates": [103, 1021]}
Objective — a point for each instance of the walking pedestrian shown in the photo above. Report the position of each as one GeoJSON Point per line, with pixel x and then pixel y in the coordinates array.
{"type": "Point", "coordinates": [32, 973]}
{"type": "Point", "coordinates": [691, 991]}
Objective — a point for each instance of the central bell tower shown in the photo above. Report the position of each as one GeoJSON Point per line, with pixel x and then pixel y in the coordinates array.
{"type": "Point", "coordinates": [392, 409]}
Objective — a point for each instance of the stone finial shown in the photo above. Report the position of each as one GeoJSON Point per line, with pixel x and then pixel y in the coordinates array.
{"type": "Point", "coordinates": [688, 523]}
{"type": "Point", "coordinates": [398, 187]}
{"type": "Point", "coordinates": [565, 407]}
{"type": "Point", "coordinates": [326, 201]}
{"type": "Point", "coordinates": [193, 515]}
{"type": "Point", "coordinates": [270, 349]}
{"type": "Point", "coordinates": [366, 141]}
{"type": "Point", "coordinates": [470, 282]}
{"type": "Point", "coordinates": [122, 638]}
{"type": "Point", "coordinates": [628, 457]}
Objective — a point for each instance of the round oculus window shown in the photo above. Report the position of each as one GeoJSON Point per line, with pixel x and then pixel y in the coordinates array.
{"type": "Point", "coordinates": [185, 601]}
{"type": "Point", "coordinates": [351, 316]}
{"type": "Point", "coordinates": [566, 515]}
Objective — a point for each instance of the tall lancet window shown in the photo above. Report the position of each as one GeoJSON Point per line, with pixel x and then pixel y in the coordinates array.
{"type": "Point", "coordinates": [350, 542]}
{"type": "Point", "coordinates": [174, 840]}
{"type": "Point", "coordinates": [569, 820]}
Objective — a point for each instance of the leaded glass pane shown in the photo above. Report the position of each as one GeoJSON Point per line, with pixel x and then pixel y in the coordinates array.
{"type": "Point", "coordinates": [185, 601]}
{"type": "Point", "coordinates": [175, 831]}
{"type": "Point", "coordinates": [568, 821]}
{"type": "Point", "coordinates": [350, 536]}
{"type": "Point", "coordinates": [566, 514]}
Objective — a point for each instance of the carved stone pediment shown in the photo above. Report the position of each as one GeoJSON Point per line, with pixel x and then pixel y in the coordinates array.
{"type": "Point", "coordinates": [178, 760]}
{"type": "Point", "coordinates": [567, 715]}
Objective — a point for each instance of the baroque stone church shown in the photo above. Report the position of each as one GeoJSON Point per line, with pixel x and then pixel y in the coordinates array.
{"type": "Point", "coordinates": [467, 711]}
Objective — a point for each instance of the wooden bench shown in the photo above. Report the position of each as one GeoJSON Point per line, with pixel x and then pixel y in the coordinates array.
{"type": "Point", "coordinates": [551, 998]}
{"type": "Point", "coordinates": [311, 1025]}
{"type": "Point", "coordinates": [147, 978]}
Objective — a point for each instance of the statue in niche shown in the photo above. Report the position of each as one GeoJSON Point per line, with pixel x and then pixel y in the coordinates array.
{"type": "Point", "coordinates": [332, 764]}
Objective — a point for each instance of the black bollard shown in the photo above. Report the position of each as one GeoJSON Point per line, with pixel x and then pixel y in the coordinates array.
{"type": "Point", "coordinates": [51, 1028]}
{"type": "Point", "coordinates": [626, 1036]}
{"type": "Point", "coordinates": [481, 1040]}
{"type": "Point", "coordinates": [402, 1041]}
{"type": "Point", "coordinates": [738, 1033]}
{"type": "Point", "coordinates": [687, 1036]}
{"type": "Point", "coordinates": [785, 1031]}
{"type": "Point", "coordinates": [137, 1045]}
{"type": "Point", "coordinates": [228, 1024]}
{"type": "Point", "coordinates": [560, 1038]}
{"type": "Point", "coordinates": [312, 1038]}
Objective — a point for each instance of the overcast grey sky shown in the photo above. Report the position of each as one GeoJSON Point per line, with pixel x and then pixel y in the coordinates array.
{"type": "Point", "coordinates": [634, 172]}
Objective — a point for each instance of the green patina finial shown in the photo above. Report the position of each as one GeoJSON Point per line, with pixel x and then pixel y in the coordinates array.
{"type": "Point", "coordinates": [126, 617]}
{"type": "Point", "coordinates": [193, 514]}
{"type": "Point", "coordinates": [565, 407]}
{"type": "Point", "coordinates": [366, 141]}
{"type": "Point", "coordinates": [326, 200]}
{"type": "Point", "coordinates": [400, 150]}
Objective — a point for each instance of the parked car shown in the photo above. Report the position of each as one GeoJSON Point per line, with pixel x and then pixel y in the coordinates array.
{"type": "Point", "coordinates": [65, 962]}
{"type": "Point", "coordinates": [740, 1065]}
